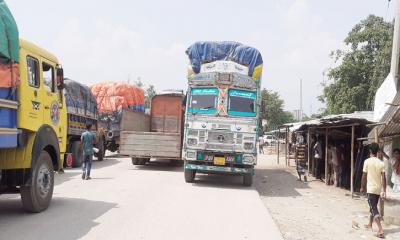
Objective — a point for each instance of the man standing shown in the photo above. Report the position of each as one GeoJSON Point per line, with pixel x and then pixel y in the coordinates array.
{"type": "Point", "coordinates": [88, 139]}
{"type": "Point", "coordinates": [318, 158]}
{"type": "Point", "coordinates": [261, 145]}
{"type": "Point", "coordinates": [375, 179]}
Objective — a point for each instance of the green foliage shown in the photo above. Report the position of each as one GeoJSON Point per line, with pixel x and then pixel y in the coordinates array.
{"type": "Point", "coordinates": [273, 111]}
{"type": "Point", "coordinates": [361, 68]}
{"type": "Point", "coordinates": [150, 92]}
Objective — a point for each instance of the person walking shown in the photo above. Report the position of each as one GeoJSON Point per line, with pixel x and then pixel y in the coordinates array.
{"type": "Point", "coordinates": [261, 146]}
{"type": "Point", "coordinates": [374, 178]}
{"type": "Point", "coordinates": [88, 139]}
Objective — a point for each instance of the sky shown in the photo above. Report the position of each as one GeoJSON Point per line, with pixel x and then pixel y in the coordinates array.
{"type": "Point", "coordinates": [127, 40]}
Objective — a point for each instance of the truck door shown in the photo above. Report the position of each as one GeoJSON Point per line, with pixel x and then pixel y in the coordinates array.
{"type": "Point", "coordinates": [30, 93]}
{"type": "Point", "coordinates": [51, 100]}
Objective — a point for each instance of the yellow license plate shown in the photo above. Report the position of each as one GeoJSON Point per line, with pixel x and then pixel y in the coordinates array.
{"type": "Point", "coordinates": [219, 161]}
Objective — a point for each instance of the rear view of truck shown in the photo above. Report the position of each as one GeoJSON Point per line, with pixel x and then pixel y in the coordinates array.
{"type": "Point", "coordinates": [120, 107]}
{"type": "Point", "coordinates": [163, 138]}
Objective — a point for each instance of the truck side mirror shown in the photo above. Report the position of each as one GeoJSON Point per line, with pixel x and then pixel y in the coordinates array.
{"type": "Point", "coordinates": [60, 78]}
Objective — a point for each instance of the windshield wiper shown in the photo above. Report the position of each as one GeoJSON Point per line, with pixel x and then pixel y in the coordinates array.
{"type": "Point", "coordinates": [207, 108]}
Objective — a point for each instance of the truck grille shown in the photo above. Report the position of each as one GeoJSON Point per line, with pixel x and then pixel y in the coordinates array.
{"type": "Point", "coordinates": [220, 137]}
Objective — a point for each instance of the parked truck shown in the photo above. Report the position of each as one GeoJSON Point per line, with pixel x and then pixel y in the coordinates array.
{"type": "Point", "coordinates": [161, 137]}
{"type": "Point", "coordinates": [33, 117]}
{"type": "Point", "coordinates": [81, 110]}
{"type": "Point", "coordinates": [118, 104]}
{"type": "Point", "coordinates": [222, 110]}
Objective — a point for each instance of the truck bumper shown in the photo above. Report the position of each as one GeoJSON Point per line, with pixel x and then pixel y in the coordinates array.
{"type": "Point", "coordinates": [220, 169]}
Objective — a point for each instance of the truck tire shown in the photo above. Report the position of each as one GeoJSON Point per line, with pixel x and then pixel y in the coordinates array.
{"type": "Point", "coordinates": [135, 161]}
{"type": "Point", "coordinates": [143, 161]}
{"type": "Point", "coordinates": [190, 175]}
{"type": "Point", "coordinates": [37, 196]}
{"type": "Point", "coordinates": [77, 157]}
{"type": "Point", "coordinates": [248, 180]}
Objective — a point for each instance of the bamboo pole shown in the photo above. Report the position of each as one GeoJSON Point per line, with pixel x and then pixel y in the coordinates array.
{"type": "Point", "coordinates": [352, 161]}
{"type": "Point", "coordinates": [308, 151]}
{"type": "Point", "coordinates": [279, 134]}
{"type": "Point", "coordinates": [326, 156]}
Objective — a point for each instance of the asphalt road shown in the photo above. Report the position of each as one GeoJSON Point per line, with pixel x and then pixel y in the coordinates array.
{"type": "Point", "coordinates": [123, 201]}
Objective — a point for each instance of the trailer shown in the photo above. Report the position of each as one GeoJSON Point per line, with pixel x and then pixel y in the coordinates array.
{"type": "Point", "coordinates": [163, 138]}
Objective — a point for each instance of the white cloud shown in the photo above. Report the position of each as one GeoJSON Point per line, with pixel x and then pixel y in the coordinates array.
{"type": "Point", "coordinates": [117, 53]}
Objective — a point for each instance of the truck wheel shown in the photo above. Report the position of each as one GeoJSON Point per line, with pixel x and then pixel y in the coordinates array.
{"type": "Point", "coordinates": [143, 161]}
{"type": "Point", "coordinates": [248, 180]}
{"type": "Point", "coordinates": [76, 154]}
{"type": "Point", "coordinates": [135, 161]}
{"type": "Point", "coordinates": [37, 196]}
{"type": "Point", "coordinates": [190, 175]}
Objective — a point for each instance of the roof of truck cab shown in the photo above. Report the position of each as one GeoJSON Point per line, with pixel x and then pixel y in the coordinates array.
{"type": "Point", "coordinates": [38, 50]}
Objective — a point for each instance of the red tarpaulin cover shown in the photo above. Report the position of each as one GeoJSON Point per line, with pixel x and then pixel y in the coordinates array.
{"type": "Point", "coordinates": [112, 96]}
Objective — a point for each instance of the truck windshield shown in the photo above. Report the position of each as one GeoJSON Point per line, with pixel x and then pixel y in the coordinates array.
{"type": "Point", "coordinates": [242, 103]}
{"type": "Point", "coordinates": [203, 100]}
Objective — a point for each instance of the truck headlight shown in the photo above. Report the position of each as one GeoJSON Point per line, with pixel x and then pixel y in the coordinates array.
{"type": "Point", "coordinates": [192, 141]}
{"type": "Point", "coordinates": [248, 146]}
{"type": "Point", "coordinates": [191, 154]}
{"type": "Point", "coordinates": [248, 159]}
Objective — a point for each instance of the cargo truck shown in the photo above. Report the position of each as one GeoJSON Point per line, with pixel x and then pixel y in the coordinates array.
{"type": "Point", "coordinates": [222, 110]}
{"type": "Point", "coordinates": [81, 110]}
{"type": "Point", "coordinates": [162, 136]}
{"type": "Point", "coordinates": [33, 117]}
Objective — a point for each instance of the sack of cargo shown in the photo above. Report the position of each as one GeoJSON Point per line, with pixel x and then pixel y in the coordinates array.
{"type": "Point", "coordinates": [9, 38]}
{"type": "Point", "coordinates": [206, 52]}
{"type": "Point", "coordinates": [9, 76]}
{"type": "Point", "coordinates": [114, 96]}
{"type": "Point", "coordinates": [79, 98]}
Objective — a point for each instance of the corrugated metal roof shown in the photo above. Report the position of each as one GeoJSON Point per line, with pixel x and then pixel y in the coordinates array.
{"type": "Point", "coordinates": [391, 119]}
{"type": "Point", "coordinates": [361, 117]}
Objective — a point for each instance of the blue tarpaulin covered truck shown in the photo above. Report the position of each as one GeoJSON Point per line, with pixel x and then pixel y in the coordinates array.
{"type": "Point", "coordinates": [222, 109]}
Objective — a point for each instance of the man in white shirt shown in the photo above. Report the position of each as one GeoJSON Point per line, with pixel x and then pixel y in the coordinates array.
{"type": "Point", "coordinates": [375, 179]}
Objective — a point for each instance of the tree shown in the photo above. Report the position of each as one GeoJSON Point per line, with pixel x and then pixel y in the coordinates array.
{"type": "Point", "coordinates": [361, 68]}
{"type": "Point", "coordinates": [150, 92]}
{"type": "Point", "coordinates": [273, 111]}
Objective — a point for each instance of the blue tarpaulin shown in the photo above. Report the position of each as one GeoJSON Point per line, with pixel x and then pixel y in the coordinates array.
{"type": "Point", "coordinates": [205, 52]}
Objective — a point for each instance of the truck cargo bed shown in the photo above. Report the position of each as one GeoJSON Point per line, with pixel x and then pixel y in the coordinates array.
{"type": "Point", "coordinates": [151, 144]}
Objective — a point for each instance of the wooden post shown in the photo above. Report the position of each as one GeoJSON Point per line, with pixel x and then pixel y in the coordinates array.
{"type": "Point", "coordinates": [326, 156]}
{"type": "Point", "coordinates": [279, 134]}
{"type": "Point", "coordinates": [286, 146]}
{"type": "Point", "coordinates": [352, 161]}
{"type": "Point", "coordinates": [308, 151]}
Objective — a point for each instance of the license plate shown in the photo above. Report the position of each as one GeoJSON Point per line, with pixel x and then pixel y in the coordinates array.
{"type": "Point", "coordinates": [219, 161]}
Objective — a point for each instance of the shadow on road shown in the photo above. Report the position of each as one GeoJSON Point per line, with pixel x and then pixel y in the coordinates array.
{"type": "Point", "coordinates": [66, 219]}
{"type": "Point", "coordinates": [276, 182]}
{"type": "Point", "coordinates": [65, 177]}
{"type": "Point", "coordinates": [163, 166]}
{"type": "Point", "coordinates": [219, 181]}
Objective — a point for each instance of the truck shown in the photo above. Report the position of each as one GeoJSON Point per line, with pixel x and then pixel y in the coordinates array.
{"type": "Point", "coordinates": [33, 117]}
{"type": "Point", "coordinates": [81, 110]}
{"type": "Point", "coordinates": [119, 105]}
{"type": "Point", "coordinates": [222, 111]}
{"type": "Point", "coordinates": [161, 137]}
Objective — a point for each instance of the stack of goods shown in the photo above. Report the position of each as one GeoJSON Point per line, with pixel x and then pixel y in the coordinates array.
{"type": "Point", "coordinates": [9, 77]}
{"type": "Point", "coordinates": [202, 53]}
{"type": "Point", "coordinates": [112, 97]}
{"type": "Point", "coordinates": [79, 99]}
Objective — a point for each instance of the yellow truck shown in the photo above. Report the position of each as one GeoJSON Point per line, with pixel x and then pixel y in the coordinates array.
{"type": "Point", "coordinates": [33, 117]}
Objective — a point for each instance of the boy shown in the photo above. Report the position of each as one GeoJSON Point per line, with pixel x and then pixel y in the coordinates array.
{"type": "Point", "coordinates": [88, 139]}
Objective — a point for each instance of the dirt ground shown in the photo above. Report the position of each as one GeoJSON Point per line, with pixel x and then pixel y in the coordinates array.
{"type": "Point", "coordinates": [312, 210]}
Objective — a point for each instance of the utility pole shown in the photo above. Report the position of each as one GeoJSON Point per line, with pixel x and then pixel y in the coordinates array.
{"type": "Point", "coordinates": [394, 68]}
{"type": "Point", "coordinates": [301, 100]}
